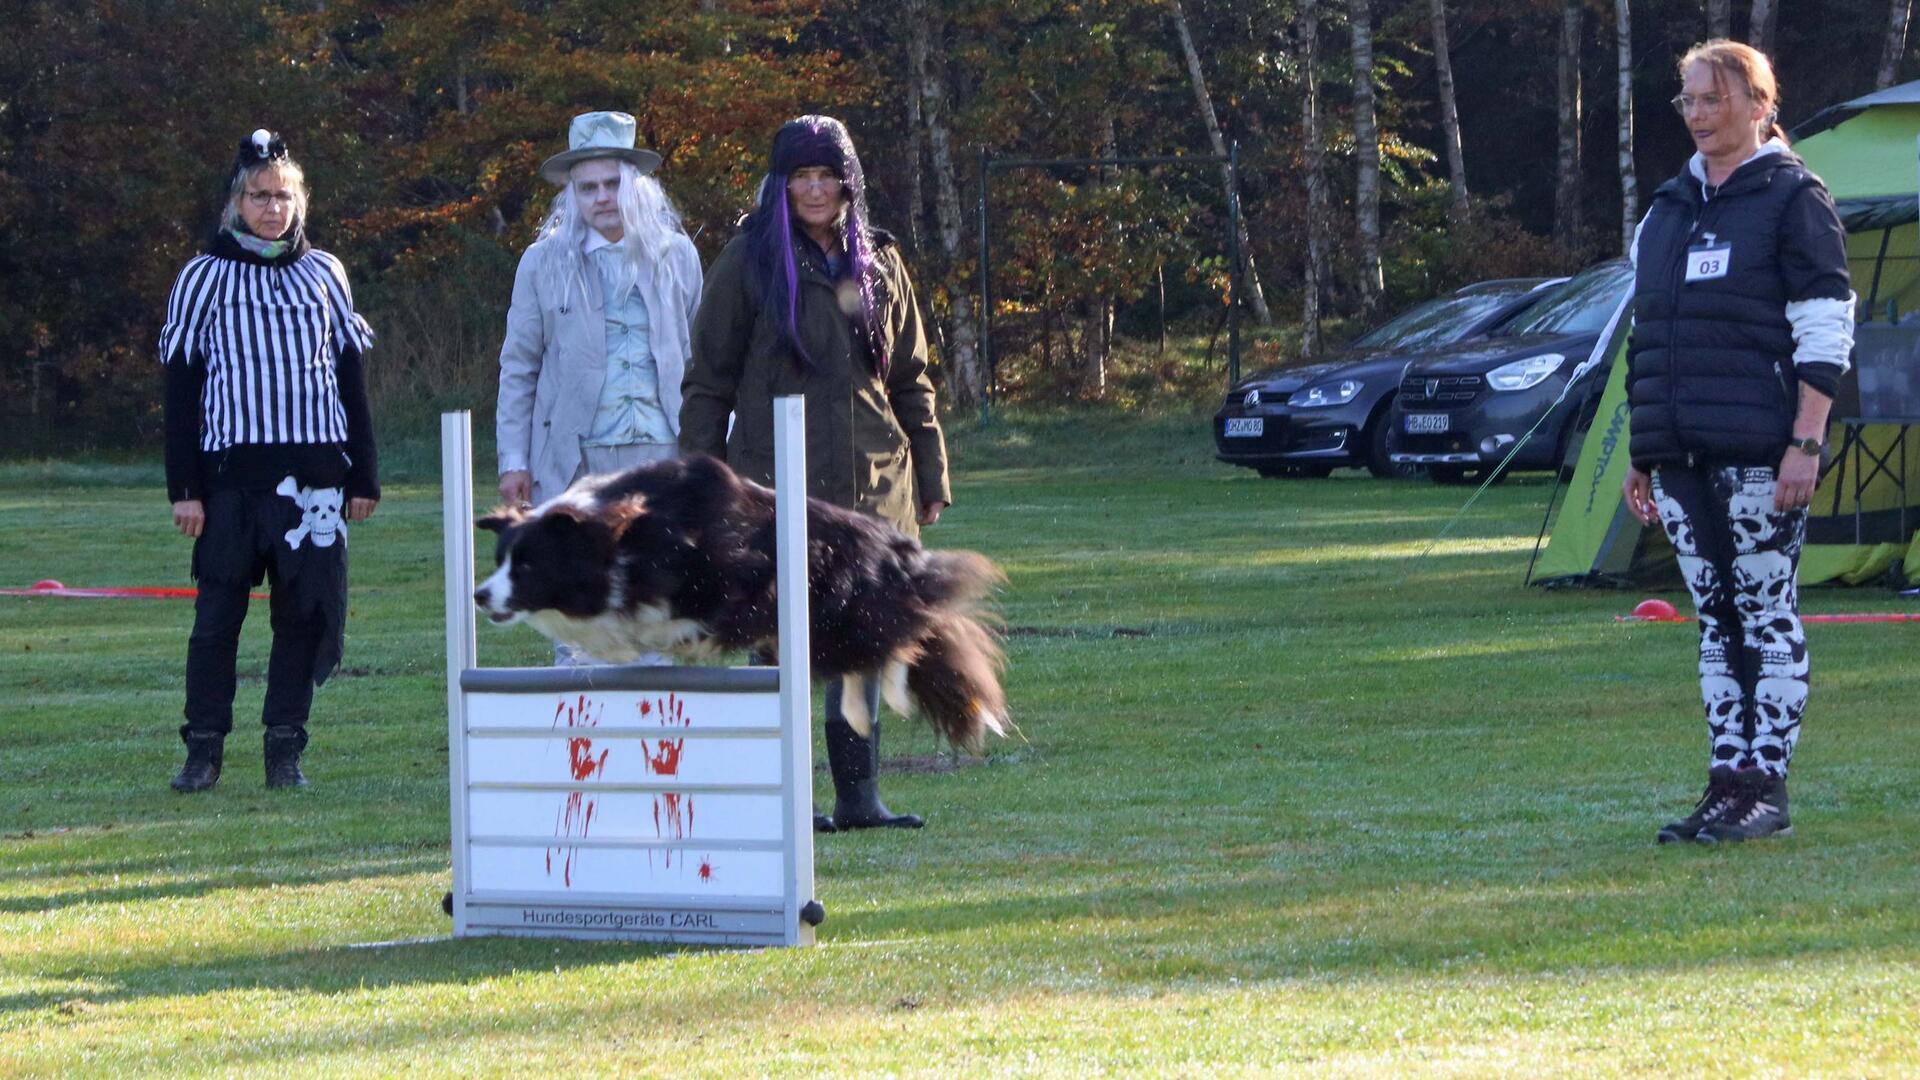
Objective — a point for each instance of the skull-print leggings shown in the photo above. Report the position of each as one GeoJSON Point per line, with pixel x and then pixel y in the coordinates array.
{"type": "Point", "coordinates": [1741, 559]}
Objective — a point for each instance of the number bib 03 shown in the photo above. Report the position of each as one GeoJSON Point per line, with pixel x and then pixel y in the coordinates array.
{"type": "Point", "coordinates": [1709, 263]}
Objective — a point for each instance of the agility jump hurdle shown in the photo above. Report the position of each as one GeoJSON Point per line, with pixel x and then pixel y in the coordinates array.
{"type": "Point", "coordinates": [631, 802]}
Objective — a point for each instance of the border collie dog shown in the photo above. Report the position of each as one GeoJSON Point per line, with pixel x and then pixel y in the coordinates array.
{"type": "Point", "coordinates": [678, 557]}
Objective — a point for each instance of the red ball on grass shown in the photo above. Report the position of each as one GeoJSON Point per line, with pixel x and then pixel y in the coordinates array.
{"type": "Point", "coordinates": [1655, 609]}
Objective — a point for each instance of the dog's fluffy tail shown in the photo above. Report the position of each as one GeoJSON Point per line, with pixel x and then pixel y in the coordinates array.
{"type": "Point", "coordinates": [951, 673]}
{"type": "Point", "coordinates": [953, 679]}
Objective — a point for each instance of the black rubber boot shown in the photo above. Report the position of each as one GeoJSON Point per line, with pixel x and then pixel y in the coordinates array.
{"type": "Point", "coordinates": [283, 746]}
{"type": "Point", "coordinates": [205, 750]}
{"type": "Point", "coordinates": [855, 763]}
{"type": "Point", "coordinates": [1759, 810]}
{"type": "Point", "coordinates": [1713, 802]}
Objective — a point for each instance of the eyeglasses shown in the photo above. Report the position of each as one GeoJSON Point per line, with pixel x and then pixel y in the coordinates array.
{"type": "Point", "coordinates": [829, 184]}
{"type": "Point", "coordinates": [260, 200]}
{"type": "Point", "coordinates": [1713, 103]}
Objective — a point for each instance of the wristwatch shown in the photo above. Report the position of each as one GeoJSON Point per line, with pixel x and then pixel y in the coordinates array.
{"type": "Point", "coordinates": [1810, 446]}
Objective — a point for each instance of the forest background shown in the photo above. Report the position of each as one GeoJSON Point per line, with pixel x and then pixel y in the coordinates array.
{"type": "Point", "coordinates": [1388, 149]}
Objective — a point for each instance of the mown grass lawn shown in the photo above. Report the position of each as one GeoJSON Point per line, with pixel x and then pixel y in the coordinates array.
{"type": "Point", "coordinates": [1294, 794]}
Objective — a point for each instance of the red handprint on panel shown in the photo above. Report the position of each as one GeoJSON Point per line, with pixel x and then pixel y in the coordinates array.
{"type": "Point", "coordinates": [672, 810]}
{"type": "Point", "coordinates": [576, 814]}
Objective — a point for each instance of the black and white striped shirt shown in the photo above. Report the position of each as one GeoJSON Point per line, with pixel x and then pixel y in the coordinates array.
{"type": "Point", "coordinates": [270, 337]}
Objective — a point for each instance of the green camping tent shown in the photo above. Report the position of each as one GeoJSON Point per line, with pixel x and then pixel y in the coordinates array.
{"type": "Point", "coordinates": [1868, 152]}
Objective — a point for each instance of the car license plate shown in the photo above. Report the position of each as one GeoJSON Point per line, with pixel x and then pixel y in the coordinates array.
{"type": "Point", "coordinates": [1246, 426]}
{"type": "Point", "coordinates": [1426, 423]}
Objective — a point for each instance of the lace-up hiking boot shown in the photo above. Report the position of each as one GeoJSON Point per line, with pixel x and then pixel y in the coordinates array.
{"type": "Point", "coordinates": [1759, 810]}
{"type": "Point", "coordinates": [1713, 801]}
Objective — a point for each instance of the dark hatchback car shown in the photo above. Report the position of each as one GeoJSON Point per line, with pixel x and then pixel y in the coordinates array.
{"type": "Point", "coordinates": [1305, 421]}
{"type": "Point", "coordinates": [1460, 410]}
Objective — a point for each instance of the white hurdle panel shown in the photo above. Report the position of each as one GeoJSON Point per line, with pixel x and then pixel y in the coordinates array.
{"type": "Point", "coordinates": [632, 802]}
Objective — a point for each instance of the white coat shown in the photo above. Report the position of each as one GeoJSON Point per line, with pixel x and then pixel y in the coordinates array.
{"type": "Point", "coordinates": [554, 358]}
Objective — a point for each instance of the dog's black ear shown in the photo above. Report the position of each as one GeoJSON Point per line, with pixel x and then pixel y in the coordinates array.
{"type": "Point", "coordinates": [501, 520]}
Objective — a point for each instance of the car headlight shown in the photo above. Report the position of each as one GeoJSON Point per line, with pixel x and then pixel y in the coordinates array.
{"type": "Point", "coordinates": [1325, 394]}
{"type": "Point", "coordinates": [1525, 374]}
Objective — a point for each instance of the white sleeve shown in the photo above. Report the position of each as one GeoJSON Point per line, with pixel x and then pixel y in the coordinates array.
{"type": "Point", "coordinates": [1633, 249]}
{"type": "Point", "coordinates": [1822, 331]}
{"type": "Point", "coordinates": [522, 352]}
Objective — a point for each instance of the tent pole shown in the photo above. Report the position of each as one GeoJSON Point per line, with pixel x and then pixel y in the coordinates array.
{"type": "Point", "coordinates": [1553, 499]}
{"type": "Point", "coordinates": [1879, 263]}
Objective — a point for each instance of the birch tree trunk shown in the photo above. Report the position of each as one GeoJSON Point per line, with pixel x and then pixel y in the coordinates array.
{"type": "Point", "coordinates": [1256, 296]}
{"type": "Point", "coordinates": [1314, 153]}
{"type": "Point", "coordinates": [1896, 46]}
{"type": "Point", "coordinates": [1449, 110]}
{"type": "Point", "coordinates": [1629, 185]}
{"type": "Point", "coordinates": [1096, 312]}
{"type": "Point", "coordinates": [966, 375]}
{"type": "Point", "coordinates": [1760, 24]}
{"type": "Point", "coordinates": [1566, 189]}
{"type": "Point", "coordinates": [1719, 18]}
{"type": "Point", "coordinates": [1366, 137]}
{"type": "Point", "coordinates": [916, 139]}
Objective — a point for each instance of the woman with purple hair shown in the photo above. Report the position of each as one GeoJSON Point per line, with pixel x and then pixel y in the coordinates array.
{"type": "Point", "coordinates": [811, 299]}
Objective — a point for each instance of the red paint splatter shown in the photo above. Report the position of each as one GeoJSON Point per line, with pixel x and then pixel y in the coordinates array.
{"type": "Point", "coordinates": [706, 871]}
{"type": "Point", "coordinates": [575, 817]}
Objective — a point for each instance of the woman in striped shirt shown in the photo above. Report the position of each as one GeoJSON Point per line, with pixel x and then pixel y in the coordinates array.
{"type": "Point", "coordinates": [270, 452]}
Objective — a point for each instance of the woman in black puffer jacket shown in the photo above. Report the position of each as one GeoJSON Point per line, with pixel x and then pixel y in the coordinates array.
{"type": "Point", "coordinates": [1743, 322]}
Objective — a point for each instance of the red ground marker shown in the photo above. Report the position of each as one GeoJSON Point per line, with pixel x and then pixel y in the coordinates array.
{"type": "Point", "coordinates": [52, 588]}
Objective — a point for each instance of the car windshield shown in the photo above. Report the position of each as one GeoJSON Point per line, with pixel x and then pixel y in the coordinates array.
{"type": "Point", "coordinates": [1440, 321]}
{"type": "Point", "coordinates": [1581, 306]}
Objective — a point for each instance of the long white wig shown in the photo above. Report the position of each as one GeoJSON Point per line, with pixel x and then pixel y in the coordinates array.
{"type": "Point", "coordinates": [651, 224]}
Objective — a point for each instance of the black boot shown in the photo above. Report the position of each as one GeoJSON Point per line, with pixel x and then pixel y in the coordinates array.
{"type": "Point", "coordinates": [1759, 810]}
{"type": "Point", "coordinates": [283, 745]}
{"type": "Point", "coordinates": [855, 763]}
{"type": "Point", "coordinates": [202, 769]}
{"type": "Point", "coordinates": [1713, 802]}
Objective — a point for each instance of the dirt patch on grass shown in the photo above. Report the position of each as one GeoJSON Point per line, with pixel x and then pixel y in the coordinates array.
{"type": "Point", "coordinates": [1078, 631]}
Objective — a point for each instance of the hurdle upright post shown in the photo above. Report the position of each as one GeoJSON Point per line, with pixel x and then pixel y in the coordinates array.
{"type": "Point", "coordinates": [796, 652]}
{"type": "Point", "coordinates": [456, 526]}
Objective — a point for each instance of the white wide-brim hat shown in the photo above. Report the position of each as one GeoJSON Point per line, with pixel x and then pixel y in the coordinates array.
{"type": "Point", "coordinates": [599, 135]}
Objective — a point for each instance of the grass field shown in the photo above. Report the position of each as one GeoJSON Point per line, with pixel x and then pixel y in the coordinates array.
{"type": "Point", "coordinates": [1294, 794]}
